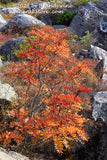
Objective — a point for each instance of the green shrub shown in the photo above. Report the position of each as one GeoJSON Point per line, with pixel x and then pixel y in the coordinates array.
{"type": "Point", "coordinates": [86, 40]}
{"type": "Point", "coordinates": [65, 18]}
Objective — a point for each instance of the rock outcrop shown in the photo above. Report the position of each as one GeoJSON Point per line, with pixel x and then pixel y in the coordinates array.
{"type": "Point", "coordinates": [99, 54]}
{"type": "Point", "coordinates": [7, 92]}
{"type": "Point", "coordinates": [99, 35]}
{"type": "Point", "coordinates": [22, 20]}
{"type": "Point", "coordinates": [99, 102]}
{"type": "Point", "coordinates": [38, 6]}
{"type": "Point", "coordinates": [1, 63]}
{"type": "Point", "coordinates": [96, 147]}
{"type": "Point", "coordinates": [2, 22]}
{"type": "Point", "coordinates": [11, 10]}
{"type": "Point", "coordinates": [7, 49]}
{"type": "Point", "coordinates": [103, 25]}
{"type": "Point", "coordinates": [87, 19]}
{"type": "Point", "coordinates": [102, 4]}
{"type": "Point", "coordinates": [45, 19]}
{"type": "Point", "coordinates": [4, 155]}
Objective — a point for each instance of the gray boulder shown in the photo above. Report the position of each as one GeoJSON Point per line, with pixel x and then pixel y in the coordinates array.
{"type": "Point", "coordinates": [45, 19]}
{"type": "Point", "coordinates": [100, 45]}
{"type": "Point", "coordinates": [7, 49]}
{"type": "Point", "coordinates": [98, 38]}
{"type": "Point", "coordinates": [102, 4]}
{"type": "Point", "coordinates": [99, 102]}
{"type": "Point", "coordinates": [96, 147]}
{"type": "Point", "coordinates": [2, 22]}
{"type": "Point", "coordinates": [11, 10]}
{"type": "Point", "coordinates": [97, 53]}
{"type": "Point", "coordinates": [4, 155]}
{"type": "Point", "coordinates": [87, 19]}
{"type": "Point", "coordinates": [103, 24]}
{"type": "Point", "coordinates": [38, 6]}
{"type": "Point", "coordinates": [100, 32]}
{"type": "Point", "coordinates": [22, 20]}
{"type": "Point", "coordinates": [1, 63]}
{"type": "Point", "coordinates": [100, 55]}
{"type": "Point", "coordinates": [7, 92]}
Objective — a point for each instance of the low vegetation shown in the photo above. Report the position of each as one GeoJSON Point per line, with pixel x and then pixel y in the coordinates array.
{"type": "Point", "coordinates": [84, 2]}
{"type": "Point", "coordinates": [48, 88]}
{"type": "Point", "coordinates": [65, 18]}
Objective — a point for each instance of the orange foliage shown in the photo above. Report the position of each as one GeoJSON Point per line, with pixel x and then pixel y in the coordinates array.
{"type": "Point", "coordinates": [49, 74]}
{"type": "Point", "coordinates": [4, 38]}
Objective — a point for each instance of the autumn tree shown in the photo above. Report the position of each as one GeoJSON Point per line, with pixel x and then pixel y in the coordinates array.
{"type": "Point", "coordinates": [48, 81]}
